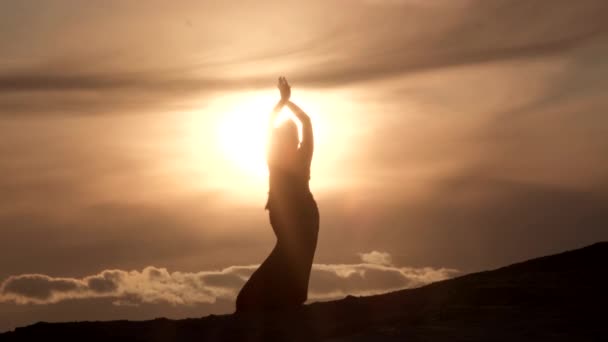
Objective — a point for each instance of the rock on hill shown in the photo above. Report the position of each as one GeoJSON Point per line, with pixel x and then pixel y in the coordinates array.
{"type": "Point", "coordinates": [560, 297]}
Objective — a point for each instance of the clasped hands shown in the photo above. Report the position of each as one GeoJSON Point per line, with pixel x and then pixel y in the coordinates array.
{"type": "Point", "coordinates": [285, 90]}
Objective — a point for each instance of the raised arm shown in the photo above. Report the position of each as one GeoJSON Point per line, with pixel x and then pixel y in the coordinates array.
{"type": "Point", "coordinates": [273, 116]}
{"type": "Point", "coordinates": [307, 146]}
{"type": "Point", "coordinates": [285, 94]}
{"type": "Point", "coordinates": [285, 90]}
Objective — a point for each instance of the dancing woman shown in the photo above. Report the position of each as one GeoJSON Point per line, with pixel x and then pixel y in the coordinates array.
{"type": "Point", "coordinates": [281, 282]}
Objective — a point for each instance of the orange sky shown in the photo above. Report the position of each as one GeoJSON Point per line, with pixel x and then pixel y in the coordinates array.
{"type": "Point", "coordinates": [456, 135]}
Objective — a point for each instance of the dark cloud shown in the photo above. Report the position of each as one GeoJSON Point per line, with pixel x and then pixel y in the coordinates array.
{"type": "Point", "coordinates": [38, 288]}
{"type": "Point", "coordinates": [374, 46]}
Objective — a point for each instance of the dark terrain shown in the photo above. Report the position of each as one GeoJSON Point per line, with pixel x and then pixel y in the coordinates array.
{"type": "Point", "coordinates": [561, 297]}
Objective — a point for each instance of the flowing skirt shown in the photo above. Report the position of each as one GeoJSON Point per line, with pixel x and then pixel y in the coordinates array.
{"type": "Point", "coordinates": [281, 281]}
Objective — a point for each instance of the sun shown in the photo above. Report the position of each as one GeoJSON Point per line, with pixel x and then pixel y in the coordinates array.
{"type": "Point", "coordinates": [239, 129]}
{"type": "Point", "coordinates": [221, 143]}
{"type": "Point", "coordinates": [242, 132]}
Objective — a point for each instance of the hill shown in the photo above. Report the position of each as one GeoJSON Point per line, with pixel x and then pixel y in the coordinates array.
{"type": "Point", "coordinates": [560, 297]}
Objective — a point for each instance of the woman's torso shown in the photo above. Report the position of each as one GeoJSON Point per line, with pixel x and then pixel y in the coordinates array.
{"type": "Point", "coordinates": [288, 186]}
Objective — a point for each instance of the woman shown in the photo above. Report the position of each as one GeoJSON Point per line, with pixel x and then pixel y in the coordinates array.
{"type": "Point", "coordinates": [281, 282]}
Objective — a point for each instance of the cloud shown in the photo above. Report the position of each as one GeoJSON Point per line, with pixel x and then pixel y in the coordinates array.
{"type": "Point", "coordinates": [155, 285]}
{"type": "Point", "coordinates": [375, 257]}
{"type": "Point", "coordinates": [41, 288]}
{"type": "Point", "coordinates": [335, 281]}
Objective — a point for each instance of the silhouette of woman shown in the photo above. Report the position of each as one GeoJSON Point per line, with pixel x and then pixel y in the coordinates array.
{"type": "Point", "coordinates": [281, 282]}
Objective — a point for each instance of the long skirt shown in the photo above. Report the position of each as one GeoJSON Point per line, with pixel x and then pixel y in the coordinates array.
{"type": "Point", "coordinates": [281, 281]}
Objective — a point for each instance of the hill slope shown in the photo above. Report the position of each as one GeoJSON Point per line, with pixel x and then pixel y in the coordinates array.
{"type": "Point", "coordinates": [561, 297]}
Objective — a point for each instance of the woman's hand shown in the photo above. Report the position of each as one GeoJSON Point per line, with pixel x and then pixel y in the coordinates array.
{"type": "Point", "coordinates": [284, 88]}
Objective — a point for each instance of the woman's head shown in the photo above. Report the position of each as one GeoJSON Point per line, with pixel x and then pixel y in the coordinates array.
{"type": "Point", "coordinates": [285, 141]}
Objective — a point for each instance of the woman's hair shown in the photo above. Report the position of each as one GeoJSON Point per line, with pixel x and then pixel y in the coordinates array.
{"type": "Point", "coordinates": [286, 135]}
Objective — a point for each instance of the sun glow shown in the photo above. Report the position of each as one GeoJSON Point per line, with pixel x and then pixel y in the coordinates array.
{"type": "Point", "coordinates": [226, 139]}
{"type": "Point", "coordinates": [242, 132]}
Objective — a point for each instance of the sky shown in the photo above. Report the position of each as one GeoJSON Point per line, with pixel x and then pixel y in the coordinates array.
{"type": "Point", "coordinates": [452, 136]}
